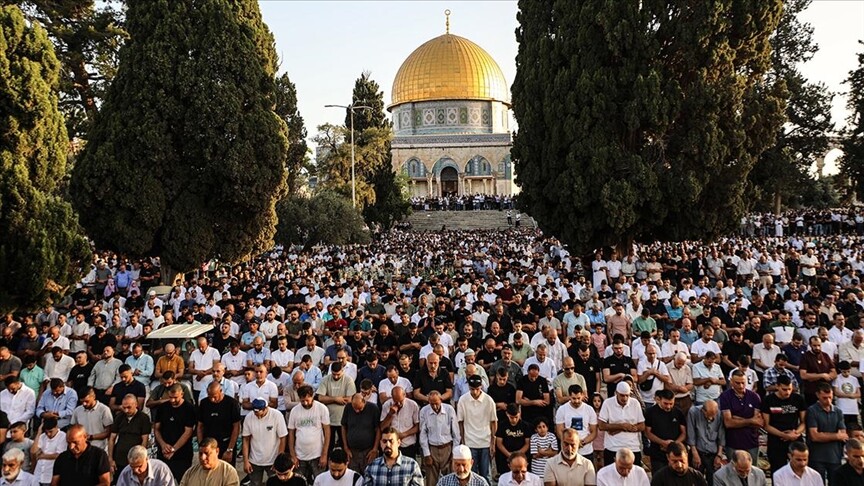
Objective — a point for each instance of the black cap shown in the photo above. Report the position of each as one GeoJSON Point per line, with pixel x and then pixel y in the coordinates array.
{"type": "Point", "coordinates": [474, 381]}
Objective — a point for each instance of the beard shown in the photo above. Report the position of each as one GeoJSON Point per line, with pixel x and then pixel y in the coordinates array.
{"type": "Point", "coordinates": [9, 477]}
{"type": "Point", "coordinates": [388, 451]}
{"type": "Point", "coordinates": [570, 454]}
{"type": "Point", "coordinates": [463, 475]}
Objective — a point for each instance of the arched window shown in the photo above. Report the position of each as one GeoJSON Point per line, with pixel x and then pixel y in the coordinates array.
{"type": "Point", "coordinates": [478, 166]}
{"type": "Point", "coordinates": [414, 168]}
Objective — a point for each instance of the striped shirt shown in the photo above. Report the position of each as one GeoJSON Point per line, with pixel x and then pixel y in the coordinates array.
{"type": "Point", "coordinates": [538, 464]}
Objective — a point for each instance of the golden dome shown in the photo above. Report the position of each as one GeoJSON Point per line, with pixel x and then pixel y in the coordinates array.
{"type": "Point", "coordinates": [449, 67]}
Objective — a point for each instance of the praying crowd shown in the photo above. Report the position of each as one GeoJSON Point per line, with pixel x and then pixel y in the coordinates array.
{"type": "Point", "coordinates": [451, 358]}
{"type": "Point", "coordinates": [465, 202]}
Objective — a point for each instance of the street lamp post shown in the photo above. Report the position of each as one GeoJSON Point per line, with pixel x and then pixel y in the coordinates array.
{"type": "Point", "coordinates": [353, 180]}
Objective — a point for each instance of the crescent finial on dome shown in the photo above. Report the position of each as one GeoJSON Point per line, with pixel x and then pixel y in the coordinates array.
{"type": "Point", "coordinates": [447, 21]}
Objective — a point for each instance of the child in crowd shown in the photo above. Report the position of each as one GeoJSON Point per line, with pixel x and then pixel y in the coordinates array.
{"type": "Point", "coordinates": [848, 391]}
{"type": "Point", "coordinates": [598, 339]}
{"type": "Point", "coordinates": [18, 440]}
{"type": "Point", "coordinates": [543, 446]}
{"type": "Point", "coordinates": [597, 403]}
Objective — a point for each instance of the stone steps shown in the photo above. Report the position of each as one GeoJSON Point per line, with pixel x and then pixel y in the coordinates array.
{"type": "Point", "coordinates": [464, 220]}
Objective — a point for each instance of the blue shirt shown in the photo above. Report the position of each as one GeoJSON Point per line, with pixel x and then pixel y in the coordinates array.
{"type": "Point", "coordinates": [158, 474]}
{"type": "Point", "coordinates": [63, 405]}
{"type": "Point", "coordinates": [405, 472]}
{"type": "Point", "coordinates": [312, 378]}
{"type": "Point", "coordinates": [258, 357]}
{"type": "Point", "coordinates": [144, 365]}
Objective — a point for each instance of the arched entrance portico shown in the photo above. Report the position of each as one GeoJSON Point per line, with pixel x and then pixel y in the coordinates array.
{"type": "Point", "coordinates": [449, 181]}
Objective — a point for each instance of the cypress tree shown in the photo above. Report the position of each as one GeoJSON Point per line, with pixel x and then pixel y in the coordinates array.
{"type": "Point", "coordinates": [186, 158]}
{"type": "Point", "coordinates": [296, 159]}
{"type": "Point", "coordinates": [852, 162]}
{"type": "Point", "coordinates": [41, 245]}
{"type": "Point", "coordinates": [641, 119]}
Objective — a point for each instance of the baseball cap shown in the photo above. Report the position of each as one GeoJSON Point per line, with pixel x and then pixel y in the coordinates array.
{"type": "Point", "coordinates": [259, 404]}
{"type": "Point", "coordinates": [474, 381]}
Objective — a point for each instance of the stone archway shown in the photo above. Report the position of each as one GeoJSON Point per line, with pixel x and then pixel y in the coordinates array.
{"type": "Point", "coordinates": [449, 181]}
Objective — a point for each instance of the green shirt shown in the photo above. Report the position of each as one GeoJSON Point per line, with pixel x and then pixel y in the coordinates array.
{"type": "Point", "coordinates": [32, 378]}
{"type": "Point", "coordinates": [644, 324]}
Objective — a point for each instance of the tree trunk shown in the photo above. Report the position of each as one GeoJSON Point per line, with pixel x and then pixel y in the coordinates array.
{"type": "Point", "coordinates": [169, 274]}
{"type": "Point", "coordinates": [778, 200]}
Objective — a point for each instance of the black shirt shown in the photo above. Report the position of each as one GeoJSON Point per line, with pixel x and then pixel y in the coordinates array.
{"type": "Point", "coordinates": [488, 357]}
{"type": "Point", "coordinates": [784, 414]}
{"type": "Point", "coordinates": [129, 431]}
{"type": "Point", "coordinates": [218, 420]}
{"type": "Point", "coordinates": [513, 436]}
{"type": "Point", "coordinates": [733, 351]}
{"type": "Point", "coordinates": [173, 422]}
{"type": "Point", "coordinates": [121, 389]}
{"type": "Point", "coordinates": [616, 365]}
{"type": "Point", "coordinates": [360, 427]}
{"type": "Point", "coordinates": [534, 390]}
{"type": "Point", "coordinates": [441, 382]}
{"type": "Point", "coordinates": [668, 477]}
{"type": "Point", "coordinates": [79, 376]}
{"type": "Point", "coordinates": [296, 480]}
{"type": "Point", "coordinates": [588, 370]}
{"type": "Point", "coordinates": [85, 469]}
{"type": "Point", "coordinates": [847, 476]}
{"type": "Point", "coordinates": [502, 394]}
{"type": "Point", "coordinates": [665, 425]}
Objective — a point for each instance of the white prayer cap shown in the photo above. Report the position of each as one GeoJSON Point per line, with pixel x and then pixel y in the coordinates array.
{"type": "Point", "coordinates": [462, 452]}
{"type": "Point", "coordinates": [623, 388]}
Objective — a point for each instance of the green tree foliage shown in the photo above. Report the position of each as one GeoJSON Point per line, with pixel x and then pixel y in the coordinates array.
{"type": "Point", "coordinates": [852, 162]}
{"type": "Point", "coordinates": [87, 36]}
{"type": "Point", "coordinates": [41, 246]}
{"type": "Point", "coordinates": [325, 218]}
{"type": "Point", "coordinates": [297, 158]}
{"type": "Point", "coordinates": [783, 171]}
{"type": "Point", "coordinates": [391, 201]}
{"type": "Point", "coordinates": [186, 159]}
{"type": "Point", "coordinates": [367, 92]}
{"type": "Point", "coordinates": [641, 119]}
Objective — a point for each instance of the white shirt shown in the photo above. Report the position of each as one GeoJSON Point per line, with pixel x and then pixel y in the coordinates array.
{"type": "Point", "coordinates": [839, 336]}
{"type": "Point", "coordinates": [475, 416]}
{"type": "Point", "coordinates": [45, 467]}
{"type": "Point", "coordinates": [19, 407]}
{"type": "Point", "coordinates": [579, 419]}
{"type": "Point", "coordinates": [267, 391]}
{"type": "Point", "coordinates": [235, 362]}
{"type": "Point", "coordinates": [613, 413]}
{"type": "Point", "coordinates": [308, 425]}
{"type": "Point", "coordinates": [766, 356]}
{"type": "Point", "coordinates": [700, 348]}
{"type": "Point", "coordinates": [786, 477]}
{"type": "Point", "coordinates": [203, 361]}
{"type": "Point", "coordinates": [531, 479]}
{"type": "Point", "coordinates": [670, 350]}
{"type": "Point", "coordinates": [347, 479]}
{"type": "Point", "coordinates": [59, 369]}
{"type": "Point", "coordinates": [642, 367]}
{"type": "Point", "coordinates": [548, 369]}
{"type": "Point", "coordinates": [282, 358]}
{"type": "Point", "coordinates": [264, 434]}
{"type": "Point", "coordinates": [608, 476]}
{"type": "Point", "coordinates": [386, 386]}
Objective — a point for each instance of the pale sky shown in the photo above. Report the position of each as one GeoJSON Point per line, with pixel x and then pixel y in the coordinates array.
{"type": "Point", "coordinates": [325, 45]}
